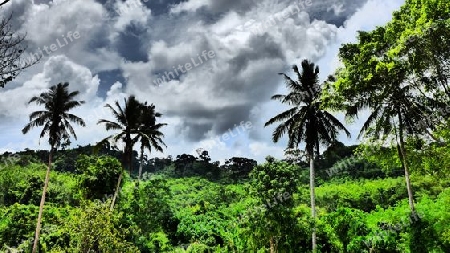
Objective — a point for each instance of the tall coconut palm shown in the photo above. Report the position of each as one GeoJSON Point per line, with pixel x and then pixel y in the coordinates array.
{"type": "Point", "coordinates": [306, 121]}
{"type": "Point", "coordinates": [55, 119]}
{"type": "Point", "coordinates": [127, 122]}
{"type": "Point", "coordinates": [149, 134]}
{"type": "Point", "coordinates": [399, 87]}
{"type": "Point", "coordinates": [398, 110]}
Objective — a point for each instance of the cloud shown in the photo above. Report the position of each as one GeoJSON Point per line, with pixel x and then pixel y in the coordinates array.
{"type": "Point", "coordinates": [143, 41]}
{"type": "Point", "coordinates": [242, 75]}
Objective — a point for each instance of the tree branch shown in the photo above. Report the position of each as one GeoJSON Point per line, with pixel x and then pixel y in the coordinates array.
{"type": "Point", "coordinates": [4, 2]}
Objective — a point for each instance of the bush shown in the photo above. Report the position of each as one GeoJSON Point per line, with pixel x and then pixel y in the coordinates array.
{"type": "Point", "coordinates": [99, 175]}
{"type": "Point", "coordinates": [97, 229]}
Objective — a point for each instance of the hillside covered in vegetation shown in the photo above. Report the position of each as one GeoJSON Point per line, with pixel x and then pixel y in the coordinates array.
{"type": "Point", "coordinates": [184, 205]}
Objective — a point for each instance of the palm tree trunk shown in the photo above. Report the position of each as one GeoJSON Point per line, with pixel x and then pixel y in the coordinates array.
{"type": "Point", "coordinates": [116, 192]}
{"type": "Point", "coordinates": [41, 205]}
{"type": "Point", "coordinates": [128, 151]}
{"type": "Point", "coordinates": [405, 165]}
{"type": "Point", "coordinates": [140, 163]}
{"type": "Point", "coordinates": [313, 198]}
{"type": "Point", "coordinates": [131, 160]}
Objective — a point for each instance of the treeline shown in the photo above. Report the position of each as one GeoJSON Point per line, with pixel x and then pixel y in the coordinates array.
{"type": "Point", "coordinates": [338, 161]}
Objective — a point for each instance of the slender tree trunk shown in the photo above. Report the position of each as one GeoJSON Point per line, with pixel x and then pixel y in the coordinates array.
{"type": "Point", "coordinates": [272, 245]}
{"type": "Point", "coordinates": [344, 246]}
{"type": "Point", "coordinates": [313, 198]}
{"type": "Point", "coordinates": [405, 165]}
{"type": "Point", "coordinates": [41, 205]}
{"type": "Point", "coordinates": [116, 192]}
{"type": "Point", "coordinates": [128, 151]}
{"type": "Point", "coordinates": [131, 160]}
{"type": "Point", "coordinates": [140, 163]}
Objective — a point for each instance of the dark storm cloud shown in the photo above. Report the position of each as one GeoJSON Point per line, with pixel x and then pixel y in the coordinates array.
{"type": "Point", "coordinates": [236, 5]}
{"type": "Point", "coordinates": [186, 132]}
{"type": "Point", "coordinates": [246, 92]}
{"type": "Point", "coordinates": [332, 11]}
{"type": "Point", "coordinates": [18, 9]}
{"type": "Point", "coordinates": [42, 1]}
{"type": "Point", "coordinates": [197, 120]}
{"type": "Point", "coordinates": [246, 74]}
{"type": "Point", "coordinates": [129, 45]}
{"type": "Point", "coordinates": [108, 78]}
{"type": "Point", "coordinates": [234, 81]}
{"type": "Point", "coordinates": [158, 7]}
{"type": "Point", "coordinates": [260, 47]}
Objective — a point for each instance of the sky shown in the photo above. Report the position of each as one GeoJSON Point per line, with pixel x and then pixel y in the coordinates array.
{"type": "Point", "coordinates": [209, 66]}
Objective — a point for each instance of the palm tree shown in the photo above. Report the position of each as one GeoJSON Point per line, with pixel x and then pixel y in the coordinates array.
{"type": "Point", "coordinates": [397, 109]}
{"type": "Point", "coordinates": [127, 122]}
{"type": "Point", "coordinates": [306, 121]}
{"type": "Point", "coordinates": [148, 133]}
{"type": "Point", "coordinates": [55, 119]}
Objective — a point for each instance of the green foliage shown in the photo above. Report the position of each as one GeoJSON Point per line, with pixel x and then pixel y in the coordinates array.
{"type": "Point", "coordinates": [348, 226]}
{"type": "Point", "coordinates": [433, 158]}
{"type": "Point", "coordinates": [17, 224]}
{"type": "Point", "coordinates": [270, 180]}
{"type": "Point", "coordinates": [197, 248]}
{"type": "Point", "coordinates": [159, 242]}
{"type": "Point", "coordinates": [24, 185]}
{"type": "Point", "coordinates": [98, 175]}
{"type": "Point", "coordinates": [163, 214]}
{"type": "Point", "coordinates": [239, 167]}
{"type": "Point", "coordinates": [98, 229]}
{"type": "Point", "coordinates": [145, 207]}
{"type": "Point", "coordinates": [273, 184]}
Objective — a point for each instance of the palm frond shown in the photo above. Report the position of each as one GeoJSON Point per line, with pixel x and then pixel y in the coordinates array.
{"type": "Point", "coordinates": [304, 121]}
{"type": "Point", "coordinates": [110, 125]}
{"type": "Point", "coordinates": [330, 118]}
{"type": "Point", "coordinates": [57, 101]}
{"type": "Point", "coordinates": [282, 116]}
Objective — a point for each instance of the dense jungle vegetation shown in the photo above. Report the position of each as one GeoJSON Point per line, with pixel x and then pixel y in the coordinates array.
{"type": "Point", "coordinates": [189, 204]}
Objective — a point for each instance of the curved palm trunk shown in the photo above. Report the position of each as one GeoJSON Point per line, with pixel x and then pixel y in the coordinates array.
{"type": "Point", "coordinates": [313, 197]}
{"type": "Point", "coordinates": [41, 205]}
{"type": "Point", "coordinates": [119, 180]}
{"type": "Point", "coordinates": [116, 192]}
{"type": "Point", "coordinates": [402, 154]}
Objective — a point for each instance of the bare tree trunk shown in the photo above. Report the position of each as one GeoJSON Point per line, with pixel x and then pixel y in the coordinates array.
{"type": "Point", "coordinates": [116, 192]}
{"type": "Point", "coordinates": [41, 205]}
{"type": "Point", "coordinates": [405, 166]}
{"type": "Point", "coordinates": [140, 163]}
{"type": "Point", "coordinates": [313, 198]}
